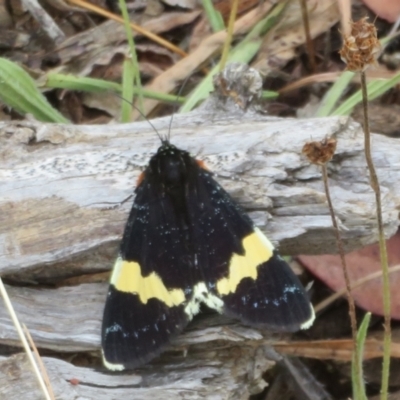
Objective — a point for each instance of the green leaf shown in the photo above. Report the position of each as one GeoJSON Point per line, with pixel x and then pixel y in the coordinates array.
{"type": "Point", "coordinates": [358, 383]}
{"type": "Point", "coordinates": [333, 95]}
{"type": "Point", "coordinates": [374, 89]}
{"type": "Point", "coordinates": [85, 84]}
{"type": "Point", "coordinates": [269, 94]}
{"type": "Point", "coordinates": [127, 90]}
{"type": "Point", "coordinates": [18, 90]}
{"type": "Point", "coordinates": [214, 17]}
{"type": "Point", "coordinates": [80, 83]}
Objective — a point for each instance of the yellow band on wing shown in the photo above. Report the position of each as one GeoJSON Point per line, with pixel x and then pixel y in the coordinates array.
{"type": "Point", "coordinates": [127, 277]}
{"type": "Point", "coordinates": [257, 250]}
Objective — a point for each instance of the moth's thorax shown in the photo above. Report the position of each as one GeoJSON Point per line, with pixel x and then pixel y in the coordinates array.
{"type": "Point", "coordinates": [170, 165]}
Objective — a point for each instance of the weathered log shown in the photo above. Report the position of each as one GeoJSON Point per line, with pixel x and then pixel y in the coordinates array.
{"type": "Point", "coordinates": [215, 357]}
{"type": "Point", "coordinates": [63, 208]}
{"type": "Point", "coordinates": [232, 372]}
{"type": "Point", "coordinates": [63, 187]}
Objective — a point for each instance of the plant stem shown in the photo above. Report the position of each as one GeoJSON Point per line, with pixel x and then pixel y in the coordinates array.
{"type": "Point", "coordinates": [228, 40]}
{"type": "Point", "coordinates": [382, 243]}
{"type": "Point", "coordinates": [135, 61]}
{"type": "Point", "coordinates": [309, 43]}
{"type": "Point", "coordinates": [359, 382]}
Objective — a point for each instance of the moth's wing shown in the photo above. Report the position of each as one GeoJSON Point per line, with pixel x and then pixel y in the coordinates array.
{"type": "Point", "coordinates": [269, 295]}
{"type": "Point", "coordinates": [133, 333]}
{"type": "Point", "coordinates": [150, 285]}
{"type": "Point", "coordinates": [242, 267]}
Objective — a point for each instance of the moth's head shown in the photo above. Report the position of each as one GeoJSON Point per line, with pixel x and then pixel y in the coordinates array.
{"type": "Point", "coordinates": [170, 164]}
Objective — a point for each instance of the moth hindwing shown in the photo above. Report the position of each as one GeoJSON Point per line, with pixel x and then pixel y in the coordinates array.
{"type": "Point", "coordinates": [187, 242]}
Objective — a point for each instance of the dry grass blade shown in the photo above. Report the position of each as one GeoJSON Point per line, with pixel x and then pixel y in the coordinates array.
{"type": "Point", "coordinates": [228, 41]}
{"type": "Point", "coordinates": [345, 16]}
{"type": "Point", "coordinates": [336, 349]}
{"type": "Point", "coordinates": [40, 362]}
{"type": "Point", "coordinates": [377, 74]}
{"type": "Point", "coordinates": [22, 337]}
{"type": "Point", "coordinates": [136, 28]}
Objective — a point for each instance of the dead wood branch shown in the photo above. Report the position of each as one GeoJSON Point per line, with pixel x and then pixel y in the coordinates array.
{"type": "Point", "coordinates": [63, 187]}
{"type": "Point", "coordinates": [62, 212]}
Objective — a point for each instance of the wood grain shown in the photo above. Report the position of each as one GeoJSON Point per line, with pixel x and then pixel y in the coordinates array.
{"type": "Point", "coordinates": [64, 187]}
{"type": "Point", "coordinates": [63, 208]}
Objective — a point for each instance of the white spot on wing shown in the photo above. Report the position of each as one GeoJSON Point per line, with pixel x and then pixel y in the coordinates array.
{"type": "Point", "coordinates": [202, 295]}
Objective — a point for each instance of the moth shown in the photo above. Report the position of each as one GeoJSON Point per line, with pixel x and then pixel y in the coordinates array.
{"type": "Point", "coordinates": [187, 242]}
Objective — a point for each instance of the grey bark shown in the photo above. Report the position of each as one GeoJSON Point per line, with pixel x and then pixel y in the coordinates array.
{"type": "Point", "coordinates": [63, 209]}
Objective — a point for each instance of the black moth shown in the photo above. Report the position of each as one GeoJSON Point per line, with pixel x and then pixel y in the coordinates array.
{"type": "Point", "coordinates": [187, 242]}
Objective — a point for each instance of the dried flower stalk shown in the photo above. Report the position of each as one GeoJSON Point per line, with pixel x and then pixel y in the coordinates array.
{"type": "Point", "coordinates": [360, 47]}
{"type": "Point", "coordinates": [320, 153]}
{"type": "Point", "coordinates": [359, 51]}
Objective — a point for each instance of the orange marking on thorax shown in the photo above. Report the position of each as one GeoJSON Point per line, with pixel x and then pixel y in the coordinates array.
{"type": "Point", "coordinates": [140, 179]}
{"type": "Point", "coordinates": [202, 164]}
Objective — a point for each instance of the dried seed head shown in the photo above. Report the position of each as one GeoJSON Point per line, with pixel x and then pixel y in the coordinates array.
{"type": "Point", "coordinates": [320, 152]}
{"type": "Point", "coordinates": [359, 49]}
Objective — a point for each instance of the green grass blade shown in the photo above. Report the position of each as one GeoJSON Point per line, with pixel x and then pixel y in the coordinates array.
{"type": "Point", "coordinates": [358, 381]}
{"type": "Point", "coordinates": [214, 17]}
{"type": "Point", "coordinates": [269, 94]}
{"type": "Point", "coordinates": [18, 91]}
{"type": "Point", "coordinates": [333, 95]}
{"type": "Point", "coordinates": [135, 63]}
{"type": "Point", "coordinates": [79, 83]}
{"type": "Point", "coordinates": [375, 89]}
{"type": "Point", "coordinates": [85, 84]}
{"type": "Point", "coordinates": [127, 90]}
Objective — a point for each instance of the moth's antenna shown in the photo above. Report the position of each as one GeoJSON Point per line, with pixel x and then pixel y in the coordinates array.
{"type": "Point", "coordinates": [177, 96]}
{"type": "Point", "coordinates": [172, 116]}
{"type": "Point", "coordinates": [142, 115]}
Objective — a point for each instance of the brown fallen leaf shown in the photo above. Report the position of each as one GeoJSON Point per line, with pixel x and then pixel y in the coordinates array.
{"type": "Point", "coordinates": [386, 9]}
{"type": "Point", "coordinates": [191, 4]}
{"type": "Point", "coordinates": [281, 43]}
{"type": "Point", "coordinates": [361, 263]}
{"type": "Point", "coordinates": [107, 36]}
{"type": "Point", "coordinates": [224, 7]}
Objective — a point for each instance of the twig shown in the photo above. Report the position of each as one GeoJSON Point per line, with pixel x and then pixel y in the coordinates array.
{"type": "Point", "coordinates": [46, 22]}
